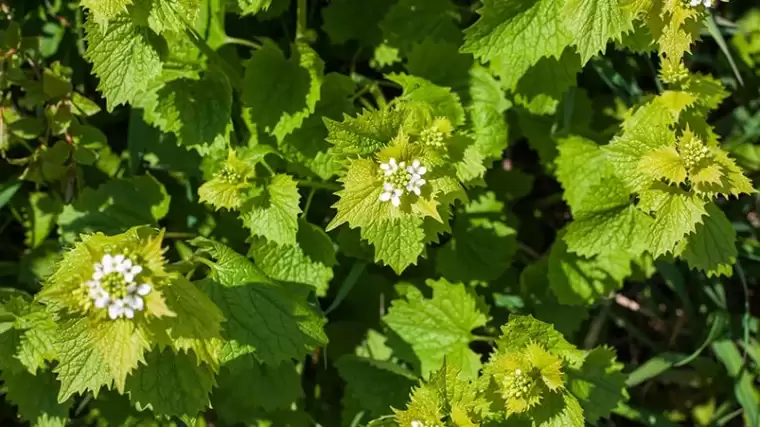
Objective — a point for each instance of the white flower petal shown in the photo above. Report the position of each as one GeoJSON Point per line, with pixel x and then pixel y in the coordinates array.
{"type": "Point", "coordinates": [384, 197]}
{"type": "Point", "coordinates": [144, 289]}
{"type": "Point", "coordinates": [392, 161]}
{"type": "Point", "coordinates": [136, 303]}
{"type": "Point", "coordinates": [132, 288]}
{"type": "Point", "coordinates": [102, 302]}
{"type": "Point", "coordinates": [129, 313]}
{"type": "Point", "coordinates": [115, 311]}
{"type": "Point", "coordinates": [384, 166]}
{"type": "Point", "coordinates": [107, 260]}
{"type": "Point", "coordinates": [387, 186]}
{"type": "Point", "coordinates": [395, 201]}
{"type": "Point", "coordinates": [416, 164]}
{"type": "Point", "coordinates": [118, 259]}
{"type": "Point", "coordinates": [421, 170]}
{"type": "Point", "coordinates": [416, 190]}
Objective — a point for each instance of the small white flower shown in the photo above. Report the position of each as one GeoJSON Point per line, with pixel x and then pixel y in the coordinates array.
{"type": "Point", "coordinates": [416, 423]}
{"type": "Point", "coordinates": [389, 168]}
{"type": "Point", "coordinates": [415, 171]}
{"type": "Point", "coordinates": [518, 371]}
{"type": "Point", "coordinates": [391, 194]}
{"type": "Point", "coordinates": [116, 309]}
{"type": "Point", "coordinates": [128, 270]}
{"type": "Point", "coordinates": [695, 3]}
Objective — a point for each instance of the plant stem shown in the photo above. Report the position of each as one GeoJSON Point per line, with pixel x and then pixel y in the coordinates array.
{"type": "Point", "coordinates": [242, 42]}
{"type": "Point", "coordinates": [318, 185]}
{"type": "Point", "coordinates": [308, 202]}
{"type": "Point", "coordinates": [301, 12]}
{"type": "Point", "coordinates": [483, 338]}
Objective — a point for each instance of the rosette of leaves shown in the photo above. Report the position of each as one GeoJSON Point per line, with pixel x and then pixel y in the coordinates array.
{"type": "Point", "coordinates": [383, 151]}
{"type": "Point", "coordinates": [652, 188]}
{"type": "Point", "coordinates": [535, 378]}
{"type": "Point", "coordinates": [125, 320]}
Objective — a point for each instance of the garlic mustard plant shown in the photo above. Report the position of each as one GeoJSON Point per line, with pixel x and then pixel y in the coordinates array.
{"type": "Point", "coordinates": [113, 286]}
{"type": "Point", "coordinates": [400, 179]}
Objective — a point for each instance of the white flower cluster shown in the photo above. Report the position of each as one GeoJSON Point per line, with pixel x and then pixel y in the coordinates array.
{"type": "Point", "coordinates": [416, 423]}
{"type": "Point", "coordinates": [400, 177]}
{"type": "Point", "coordinates": [113, 286]}
{"type": "Point", "coordinates": [695, 3]}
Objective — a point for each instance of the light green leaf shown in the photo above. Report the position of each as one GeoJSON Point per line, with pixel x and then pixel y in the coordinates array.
{"type": "Point", "coordinates": [366, 133]}
{"type": "Point", "coordinates": [376, 385]}
{"type": "Point", "coordinates": [310, 261]}
{"type": "Point", "coordinates": [577, 280]}
{"type": "Point", "coordinates": [438, 100]}
{"type": "Point", "coordinates": [35, 397]}
{"type": "Point", "coordinates": [274, 321]}
{"type": "Point", "coordinates": [398, 242]}
{"type": "Point", "coordinates": [599, 385]}
{"type": "Point", "coordinates": [619, 229]}
{"type": "Point", "coordinates": [439, 327]}
{"type": "Point", "coordinates": [171, 15]}
{"type": "Point", "coordinates": [515, 35]}
{"type": "Point", "coordinates": [486, 109]}
{"type": "Point", "coordinates": [558, 410]}
{"type": "Point", "coordinates": [105, 10]}
{"type": "Point", "coordinates": [712, 246]}
{"type": "Point", "coordinates": [124, 57]}
{"type": "Point", "coordinates": [446, 394]}
{"type": "Point", "coordinates": [664, 163]}
{"type": "Point", "coordinates": [523, 330]}
{"type": "Point", "coordinates": [97, 353]}
{"type": "Point", "coordinates": [197, 323]}
{"type": "Point", "coordinates": [676, 214]}
{"type": "Point", "coordinates": [594, 23]}
{"type": "Point", "coordinates": [196, 111]}
{"type": "Point", "coordinates": [279, 92]}
{"type": "Point", "coordinates": [273, 213]}
{"type": "Point", "coordinates": [114, 207]}
{"type": "Point", "coordinates": [266, 388]}
{"type": "Point", "coordinates": [171, 384]}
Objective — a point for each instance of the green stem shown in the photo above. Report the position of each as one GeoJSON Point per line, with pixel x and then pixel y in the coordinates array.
{"type": "Point", "coordinates": [179, 235]}
{"type": "Point", "coordinates": [235, 78]}
{"type": "Point", "coordinates": [242, 42]}
{"type": "Point", "coordinates": [318, 185]}
{"type": "Point", "coordinates": [348, 283]}
{"type": "Point", "coordinates": [483, 338]}
{"type": "Point", "coordinates": [301, 11]}
{"type": "Point", "coordinates": [308, 202]}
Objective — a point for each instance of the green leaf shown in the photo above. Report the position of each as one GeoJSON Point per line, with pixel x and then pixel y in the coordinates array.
{"type": "Point", "coordinates": [439, 101]}
{"type": "Point", "coordinates": [581, 168]}
{"type": "Point", "coordinates": [425, 59]}
{"type": "Point", "coordinates": [274, 321]}
{"type": "Point", "coordinates": [43, 211]}
{"type": "Point", "coordinates": [124, 57]}
{"type": "Point", "coordinates": [712, 246]}
{"type": "Point", "coordinates": [35, 396]}
{"type": "Point", "coordinates": [542, 87]}
{"type": "Point", "coordinates": [266, 388]}
{"type": "Point", "coordinates": [273, 213]}
{"type": "Point", "coordinates": [676, 214]}
{"type": "Point", "coordinates": [523, 330]}
{"type": "Point", "coordinates": [398, 242]}
{"type": "Point", "coordinates": [439, 327]}
{"type": "Point", "coordinates": [664, 163]}
{"type": "Point", "coordinates": [105, 10]}
{"type": "Point", "coordinates": [593, 23]}
{"type": "Point", "coordinates": [619, 229]}
{"type": "Point", "coordinates": [411, 21]}
{"type": "Point", "coordinates": [446, 394]}
{"type": "Point", "coordinates": [375, 384]}
{"type": "Point", "coordinates": [599, 385]}
{"type": "Point", "coordinates": [577, 280]}
{"type": "Point", "coordinates": [196, 325]}
{"type": "Point", "coordinates": [558, 410]}
{"type": "Point", "coordinates": [482, 244]}
{"type": "Point", "coordinates": [515, 35]}
{"type": "Point", "coordinates": [306, 147]}
{"type": "Point", "coordinates": [171, 384]}
{"type": "Point", "coordinates": [310, 261]}
{"type": "Point", "coordinates": [345, 20]}
{"type": "Point", "coordinates": [114, 207]}
{"type": "Point", "coordinates": [366, 133]}
{"type": "Point", "coordinates": [196, 111]}
{"type": "Point", "coordinates": [279, 92]}
{"type": "Point", "coordinates": [169, 15]}
{"type": "Point", "coordinates": [97, 353]}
